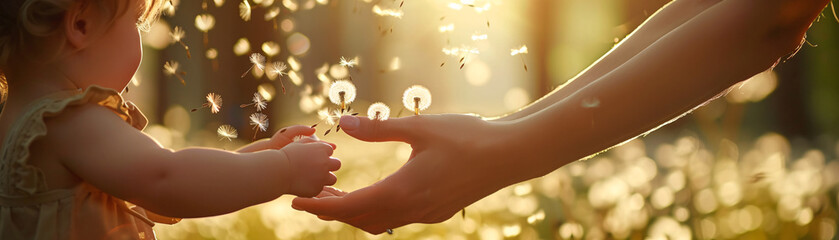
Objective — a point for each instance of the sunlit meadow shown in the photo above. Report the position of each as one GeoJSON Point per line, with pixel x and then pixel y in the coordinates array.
{"type": "Point", "coordinates": [759, 163]}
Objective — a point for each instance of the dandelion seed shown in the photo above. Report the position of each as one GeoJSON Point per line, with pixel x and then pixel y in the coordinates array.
{"type": "Point", "coordinates": [348, 63]}
{"type": "Point", "coordinates": [331, 118]}
{"type": "Point", "coordinates": [259, 121]}
{"type": "Point", "coordinates": [520, 51]}
{"type": "Point", "coordinates": [213, 103]}
{"type": "Point", "coordinates": [396, 13]}
{"type": "Point", "coordinates": [446, 28]}
{"type": "Point", "coordinates": [378, 111]}
{"type": "Point", "coordinates": [171, 69]}
{"type": "Point", "coordinates": [476, 37]}
{"type": "Point", "coordinates": [416, 98]}
{"type": "Point", "coordinates": [326, 115]}
{"type": "Point", "coordinates": [257, 60]}
{"type": "Point", "coordinates": [177, 35]}
{"type": "Point", "coordinates": [483, 8]}
{"type": "Point", "coordinates": [245, 10]}
{"type": "Point", "coordinates": [257, 101]}
{"type": "Point", "coordinates": [205, 23]}
{"type": "Point", "coordinates": [227, 131]}
{"type": "Point", "coordinates": [169, 7]}
{"type": "Point", "coordinates": [517, 51]}
{"type": "Point", "coordinates": [461, 51]}
{"type": "Point", "coordinates": [341, 93]}
{"type": "Point", "coordinates": [279, 68]}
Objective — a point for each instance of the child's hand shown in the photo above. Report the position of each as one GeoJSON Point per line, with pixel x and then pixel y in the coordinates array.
{"type": "Point", "coordinates": [280, 139]}
{"type": "Point", "coordinates": [310, 166]}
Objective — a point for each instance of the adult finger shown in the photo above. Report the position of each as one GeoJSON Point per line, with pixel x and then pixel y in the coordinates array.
{"type": "Point", "coordinates": [339, 207]}
{"type": "Point", "coordinates": [394, 129]}
{"type": "Point", "coordinates": [329, 191]}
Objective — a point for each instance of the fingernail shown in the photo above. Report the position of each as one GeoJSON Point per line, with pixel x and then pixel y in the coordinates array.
{"type": "Point", "coordinates": [349, 123]}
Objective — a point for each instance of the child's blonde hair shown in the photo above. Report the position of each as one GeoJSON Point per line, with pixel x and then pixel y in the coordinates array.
{"type": "Point", "coordinates": [32, 28]}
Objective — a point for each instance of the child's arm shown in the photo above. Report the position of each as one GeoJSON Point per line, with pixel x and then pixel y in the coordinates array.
{"type": "Point", "coordinates": [665, 20]}
{"type": "Point", "coordinates": [102, 150]}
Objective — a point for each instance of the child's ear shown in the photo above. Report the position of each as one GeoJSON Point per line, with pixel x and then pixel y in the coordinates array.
{"type": "Point", "coordinates": [78, 25]}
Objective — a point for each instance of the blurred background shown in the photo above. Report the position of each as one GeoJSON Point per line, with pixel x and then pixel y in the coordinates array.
{"type": "Point", "coordinates": [759, 163]}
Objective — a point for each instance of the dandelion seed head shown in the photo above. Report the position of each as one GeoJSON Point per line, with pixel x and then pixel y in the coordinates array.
{"type": "Point", "coordinates": [258, 60]}
{"type": "Point", "coordinates": [227, 131]}
{"type": "Point", "coordinates": [339, 88]}
{"type": "Point", "coordinates": [259, 121]}
{"type": "Point", "coordinates": [517, 51]}
{"type": "Point", "coordinates": [245, 10]}
{"type": "Point", "coordinates": [171, 67]}
{"type": "Point", "coordinates": [259, 102]}
{"type": "Point", "coordinates": [270, 48]}
{"type": "Point", "coordinates": [414, 93]}
{"type": "Point", "coordinates": [177, 34]}
{"type": "Point", "coordinates": [348, 63]}
{"type": "Point", "coordinates": [378, 111]}
{"type": "Point", "coordinates": [214, 102]}
{"type": "Point", "coordinates": [205, 22]}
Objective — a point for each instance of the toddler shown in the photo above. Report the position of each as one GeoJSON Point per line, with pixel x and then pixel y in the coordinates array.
{"type": "Point", "coordinates": [73, 156]}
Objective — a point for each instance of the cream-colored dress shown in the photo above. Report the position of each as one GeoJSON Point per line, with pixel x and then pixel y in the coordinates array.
{"type": "Point", "coordinates": [28, 210]}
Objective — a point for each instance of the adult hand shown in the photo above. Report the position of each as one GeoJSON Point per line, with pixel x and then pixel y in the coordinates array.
{"type": "Point", "coordinates": [456, 160]}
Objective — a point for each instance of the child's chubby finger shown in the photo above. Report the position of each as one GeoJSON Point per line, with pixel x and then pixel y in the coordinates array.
{"type": "Point", "coordinates": [331, 179]}
{"type": "Point", "coordinates": [296, 130]}
{"type": "Point", "coordinates": [308, 139]}
{"type": "Point", "coordinates": [333, 164]}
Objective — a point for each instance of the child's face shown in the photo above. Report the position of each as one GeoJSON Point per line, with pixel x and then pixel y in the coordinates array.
{"type": "Point", "coordinates": [114, 55]}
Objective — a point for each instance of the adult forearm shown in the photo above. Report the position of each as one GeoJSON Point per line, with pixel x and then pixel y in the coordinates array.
{"type": "Point", "coordinates": [669, 17]}
{"type": "Point", "coordinates": [727, 43]}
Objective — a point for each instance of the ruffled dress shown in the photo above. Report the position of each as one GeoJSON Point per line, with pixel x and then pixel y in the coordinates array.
{"type": "Point", "coordinates": [29, 210]}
